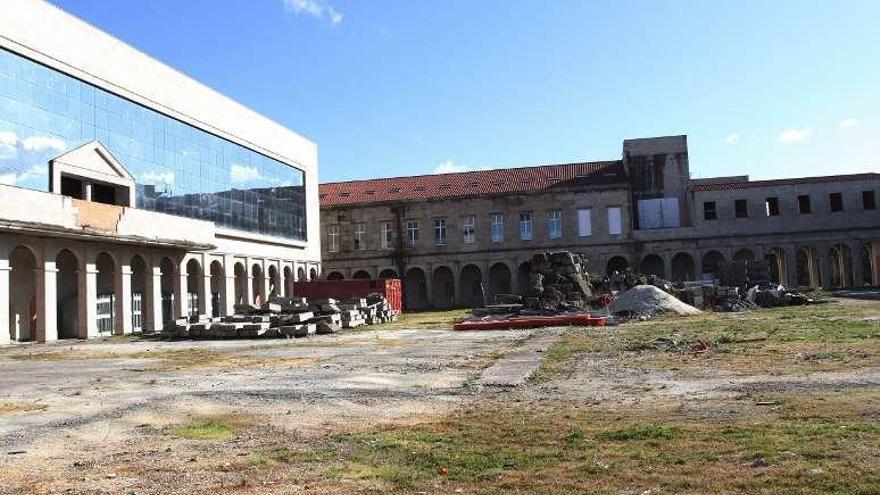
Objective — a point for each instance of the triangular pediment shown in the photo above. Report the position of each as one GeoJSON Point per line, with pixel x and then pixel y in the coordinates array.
{"type": "Point", "coordinates": [93, 159]}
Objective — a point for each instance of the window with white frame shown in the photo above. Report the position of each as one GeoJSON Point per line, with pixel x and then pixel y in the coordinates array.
{"type": "Point", "coordinates": [412, 232]}
{"type": "Point", "coordinates": [468, 227]}
{"type": "Point", "coordinates": [439, 232]}
{"type": "Point", "coordinates": [360, 235]}
{"type": "Point", "coordinates": [585, 222]}
{"type": "Point", "coordinates": [333, 238]}
{"type": "Point", "coordinates": [615, 225]}
{"type": "Point", "coordinates": [525, 226]}
{"type": "Point", "coordinates": [387, 235]}
{"type": "Point", "coordinates": [554, 224]}
{"type": "Point", "coordinates": [497, 227]}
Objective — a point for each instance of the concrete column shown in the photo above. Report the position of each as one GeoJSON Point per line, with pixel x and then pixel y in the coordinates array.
{"type": "Point", "coordinates": [267, 281]}
{"type": "Point", "coordinates": [153, 299]}
{"type": "Point", "coordinates": [88, 301]}
{"type": "Point", "coordinates": [250, 288]}
{"type": "Point", "coordinates": [87, 193]}
{"type": "Point", "coordinates": [122, 293]}
{"type": "Point", "coordinates": [856, 250]}
{"type": "Point", "coordinates": [5, 270]}
{"type": "Point", "coordinates": [790, 266]}
{"type": "Point", "coordinates": [47, 308]}
{"type": "Point", "coordinates": [181, 300]}
{"type": "Point", "coordinates": [825, 268]}
{"type": "Point", "coordinates": [487, 284]}
{"type": "Point", "coordinates": [206, 303]}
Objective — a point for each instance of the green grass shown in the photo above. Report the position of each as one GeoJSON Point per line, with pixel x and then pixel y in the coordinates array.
{"type": "Point", "coordinates": [206, 429]}
{"type": "Point", "coordinates": [443, 319]}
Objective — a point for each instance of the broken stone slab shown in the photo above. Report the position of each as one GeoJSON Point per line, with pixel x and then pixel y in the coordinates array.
{"type": "Point", "coordinates": [298, 331]}
{"type": "Point", "coordinates": [325, 328]}
{"type": "Point", "coordinates": [298, 317]}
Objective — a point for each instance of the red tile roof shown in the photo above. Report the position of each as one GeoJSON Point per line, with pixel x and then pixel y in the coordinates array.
{"type": "Point", "coordinates": [476, 183]}
{"type": "Point", "coordinates": [826, 179]}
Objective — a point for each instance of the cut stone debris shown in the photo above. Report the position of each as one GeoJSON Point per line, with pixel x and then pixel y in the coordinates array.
{"type": "Point", "coordinates": [649, 300]}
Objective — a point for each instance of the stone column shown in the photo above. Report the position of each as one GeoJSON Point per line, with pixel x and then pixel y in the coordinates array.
{"type": "Point", "coordinates": [207, 307]}
{"type": "Point", "coordinates": [122, 293]}
{"type": "Point", "coordinates": [47, 308]}
{"type": "Point", "coordinates": [429, 285]}
{"type": "Point", "coordinates": [267, 281]}
{"type": "Point", "coordinates": [88, 300]}
{"type": "Point", "coordinates": [153, 299]}
{"type": "Point", "coordinates": [826, 268]}
{"type": "Point", "coordinates": [181, 292]}
{"type": "Point", "coordinates": [667, 265]}
{"type": "Point", "coordinates": [857, 250]}
{"type": "Point", "coordinates": [487, 284]}
{"type": "Point", "coordinates": [5, 270]}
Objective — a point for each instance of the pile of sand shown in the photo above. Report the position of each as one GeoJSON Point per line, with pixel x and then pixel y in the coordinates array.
{"type": "Point", "coordinates": [649, 300]}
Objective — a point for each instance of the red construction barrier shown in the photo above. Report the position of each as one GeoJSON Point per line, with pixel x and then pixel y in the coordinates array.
{"type": "Point", "coordinates": [585, 320]}
{"type": "Point", "coordinates": [347, 289]}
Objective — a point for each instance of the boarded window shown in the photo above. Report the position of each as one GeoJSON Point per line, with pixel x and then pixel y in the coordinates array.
{"type": "Point", "coordinates": [585, 224]}
{"type": "Point", "coordinates": [658, 213]}
{"type": "Point", "coordinates": [614, 221]}
{"type": "Point", "coordinates": [869, 201]}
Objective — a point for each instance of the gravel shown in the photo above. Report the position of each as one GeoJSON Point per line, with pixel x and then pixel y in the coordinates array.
{"type": "Point", "coordinates": [649, 300]}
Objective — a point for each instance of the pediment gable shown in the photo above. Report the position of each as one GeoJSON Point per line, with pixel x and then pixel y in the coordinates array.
{"type": "Point", "coordinates": [93, 160]}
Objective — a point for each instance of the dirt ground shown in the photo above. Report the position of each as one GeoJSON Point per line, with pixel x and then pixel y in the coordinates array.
{"type": "Point", "coordinates": [773, 401]}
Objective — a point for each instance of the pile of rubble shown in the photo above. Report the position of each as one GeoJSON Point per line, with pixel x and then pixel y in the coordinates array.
{"type": "Point", "coordinates": [286, 317]}
{"type": "Point", "coordinates": [558, 281]}
{"type": "Point", "coordinates": [648, 300]}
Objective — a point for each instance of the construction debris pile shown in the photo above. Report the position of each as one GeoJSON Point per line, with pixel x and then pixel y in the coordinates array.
{"type": "Point", "coordinates": [648, 300]}
{"type": "Point", "coordinates": [558, 281]}
{"type": "Point", "coordinates": [287, 317]}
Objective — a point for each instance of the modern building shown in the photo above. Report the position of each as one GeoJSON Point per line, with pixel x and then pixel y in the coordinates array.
{"type": "Point", "coordinates": [131, 194]}
{"type": "Point", "coordinates": [446, 234]}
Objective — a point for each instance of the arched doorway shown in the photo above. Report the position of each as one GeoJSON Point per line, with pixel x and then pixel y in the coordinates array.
{"type": "Point", "coordinates": [652, 264]}
{"type": "Point", "coordinates": [470, 287]}
{"type": "Point", "coordinates": [106, 314]}
{"type": "Point", "coordinates": [218, 289]}
{"type": "Point", "coordinates": [194, 295]}
{"type": "Point", "coordinates": [241, 284]}
{"type": "Point", "coordinates": [288, 281]}
{"type": "Point", "coordinates": [617, 264]}
{"type": "Point", "coordinates": [499, 280]}
{"type": "Point", "coordinates": [523, 272]}
{"type": "Point", "coordinates": [841, 266]}
{"type": "Point", "coordinates": [301, 274]}
{"type": "Point", "coordinates": [867, 267]}
{"type": "Point", "coordinates": [777, 265]}
{"type": "Point", "coordinates": [274, 281]}
{"type": "Point", "coordinates": [361, 275]}
{"type": "Point", "coordinates": [67, 295]}
{"type": "Point", "coordinates": [168, 269]}
{"type": "Point", "coordinates": [711, 266]}
{"type": "Point", "coordinates": [257, 284]}
{"type": "Point", "coordinates": [443, 288]}
{"type": "Point", "coordinates": [22, 295]}
{"type": "Point", "coordinates": [388, 273]}
{"type": "Point", "coordinates": [313, 274]}
{"type": "Point", "coordinates": [335, 276]}
{"type": "Point", "coordinates": [744, 256]}
{"type": "Point", "coordinates": [138, 293]}
{"type": "Point", "coordinates": [415, 289]}
{"type": "Point", "coordinates": [808, 274]}
{"type": "Point", "coordinates": [683, 267]}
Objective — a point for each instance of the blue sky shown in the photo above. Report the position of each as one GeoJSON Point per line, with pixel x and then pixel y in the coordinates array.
{"type": "Point", "coordinates": [399, 87]}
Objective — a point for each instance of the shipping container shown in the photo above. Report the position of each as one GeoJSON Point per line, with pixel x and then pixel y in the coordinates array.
{"type": "Point", "coordinates": [347, 289]}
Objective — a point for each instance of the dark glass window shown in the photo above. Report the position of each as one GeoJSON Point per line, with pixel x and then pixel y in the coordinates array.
{"type": "Point", "coordinates": [804, 205]}
{"type": "Point", "coordinates": [836, 201]}
{"type": "Point", "coordinates": [772, 206]}
{"type": "Point", "coordinates": [709, 211]}
{"type": "Point", "coordinates": [869, 201]}
{"type": "Point", "coordinates": [178, 169]}
{"type": "Point", "coordinates": [741, 208]}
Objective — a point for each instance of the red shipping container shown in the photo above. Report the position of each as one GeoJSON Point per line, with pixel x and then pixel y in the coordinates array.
{"type": "Point", "coordinates": [348, 289]}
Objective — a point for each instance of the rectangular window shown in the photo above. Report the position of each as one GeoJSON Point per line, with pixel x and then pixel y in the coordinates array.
{"type": "Point", "coordinates": [772, 207]}
{"type": "Point", "coordinates": [554, 224]}
{"type": "Point", "coordinates": [658, 213]}
{"type": "Point", "coordinates": [333, 239]}
{"type": "Point", "coordinates": [360, 233]}
{"type": "Point", "coordinates": [585, 222]}
{"type": "Point", "coordinates": [615, 225]}
{"type": "Point", "coordinates": [468, 228]}
{"type": "Point", "coordinates": [804, 205]}
{"type": "Point", "coordinates": [525, 226]}
{"type": "Point", "coordinates": [741, 208]}
{"type": "Point", "coordinates": [439, 232]}
{"type": "Point", "coordinates": [835, 200]}
{"type": "Point", "coordinates": [869, 201]}
{"type": "Point", "coordinates": [387, 235]}
{"type": "Point", "coordinates": [709, 211]}
{"type": "Point", "coordinates": [497, 226]}
{"type": "Point", "coordinates": [412, 233]}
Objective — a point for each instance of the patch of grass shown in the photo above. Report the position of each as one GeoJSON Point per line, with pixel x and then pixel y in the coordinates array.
{"type": "Point", "coordinates": [640, 432]}
{"type": "Point", "coordinates": [205, 429]}
{"type": "Point", "coordinates": [556, 358]}
{"type": "Point", "coordinates": [443, 319]}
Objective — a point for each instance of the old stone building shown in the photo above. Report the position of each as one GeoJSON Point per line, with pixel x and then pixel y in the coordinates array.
{"type": "Point", "coordinates": [446, 234]}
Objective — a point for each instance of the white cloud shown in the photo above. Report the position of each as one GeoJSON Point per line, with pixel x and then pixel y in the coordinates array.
{"type": "Point", "coordinates": [158, 177]}
{"type": "Point", "coordinates": [242, 173]}
{"type": "Point", "coordinates": [794, 135]}
{"type": "Point", "coordinates": [314, 8]}
{"type": "Point", "coordinates": [848, 123]}
{"type": "Point", "coordinates": [13, 178]}
{"type": "Point", "coordinates": [7, 179]}
{"type": "Point", "coordinates": [42, 143]}
{"type": "Point", "coordinates": [8, 141]}
{"type": "Point", "coordinates": [450, 167]}
{"type": "Point", "coordinates": [732, 138]}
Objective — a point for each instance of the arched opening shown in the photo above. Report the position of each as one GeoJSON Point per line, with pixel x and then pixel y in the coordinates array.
{"type": "Point", "coordinates": [777, 266]}
{"type": "Point", "coordinates": [652, 264]}
{"type": "Point", "coordinates": [138, 293]}
{"type": "Point", "coordinates": [218, 289]}
{"type": "Point", "coordinates": [335, 276]}
{"type": "Point", "coordinates": [867, 267]}
{"type": "Point", "coordinates": [683, 267]}
{"type": "Point", "coordinates": [257, 284]}
{"type": "Point", "coordinates": [523, 271]}
{"type": "Point", "coordinates": [415, 289]}
{"type": "Point", "coordinates": [67, 295]}
{"type": "Point", "coordinates": [711, 266]}
{"type": "Point", "coordinates": [106, 314]}
{"type": "Point", "coordinates": [388, 273]}
{"type": "Point", "coordinates": [22, 295]}
{"type": "Point", "coordinates": [617, 264]}
{"type": "Point", "coordinates": [470, 287]}
{"type": "Point", "coordinates": [274, 281]}
{"type": "Point", "coordinates": [744, 256]}
{"type": "Point", "coordinates": [313, 274]}
{"type": "Point", "coordinates": [166, 266]}
{"type": "Point", "coordinates": [499, 280]}
{"type": "Point", "coordinates": [361, 275]}
{"type": "Point", "coordinates": [288, 281]}
{"type": "Point", "coordinates": [807, 264]}
{"type": "Point", "coordinates": [193, 292]}
{"type": "Point", "coordinates": [841, 266]}
{"type": "Point", "coordinates": [301, 274]}
{"type": "Point", "coordinates": [241, 284]}
{"type": "Point", "coordinates": [443, 288]}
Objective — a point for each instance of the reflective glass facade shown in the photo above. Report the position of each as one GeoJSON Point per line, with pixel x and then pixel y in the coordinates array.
{"type": "Point", "coordinates": [179, 169]}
